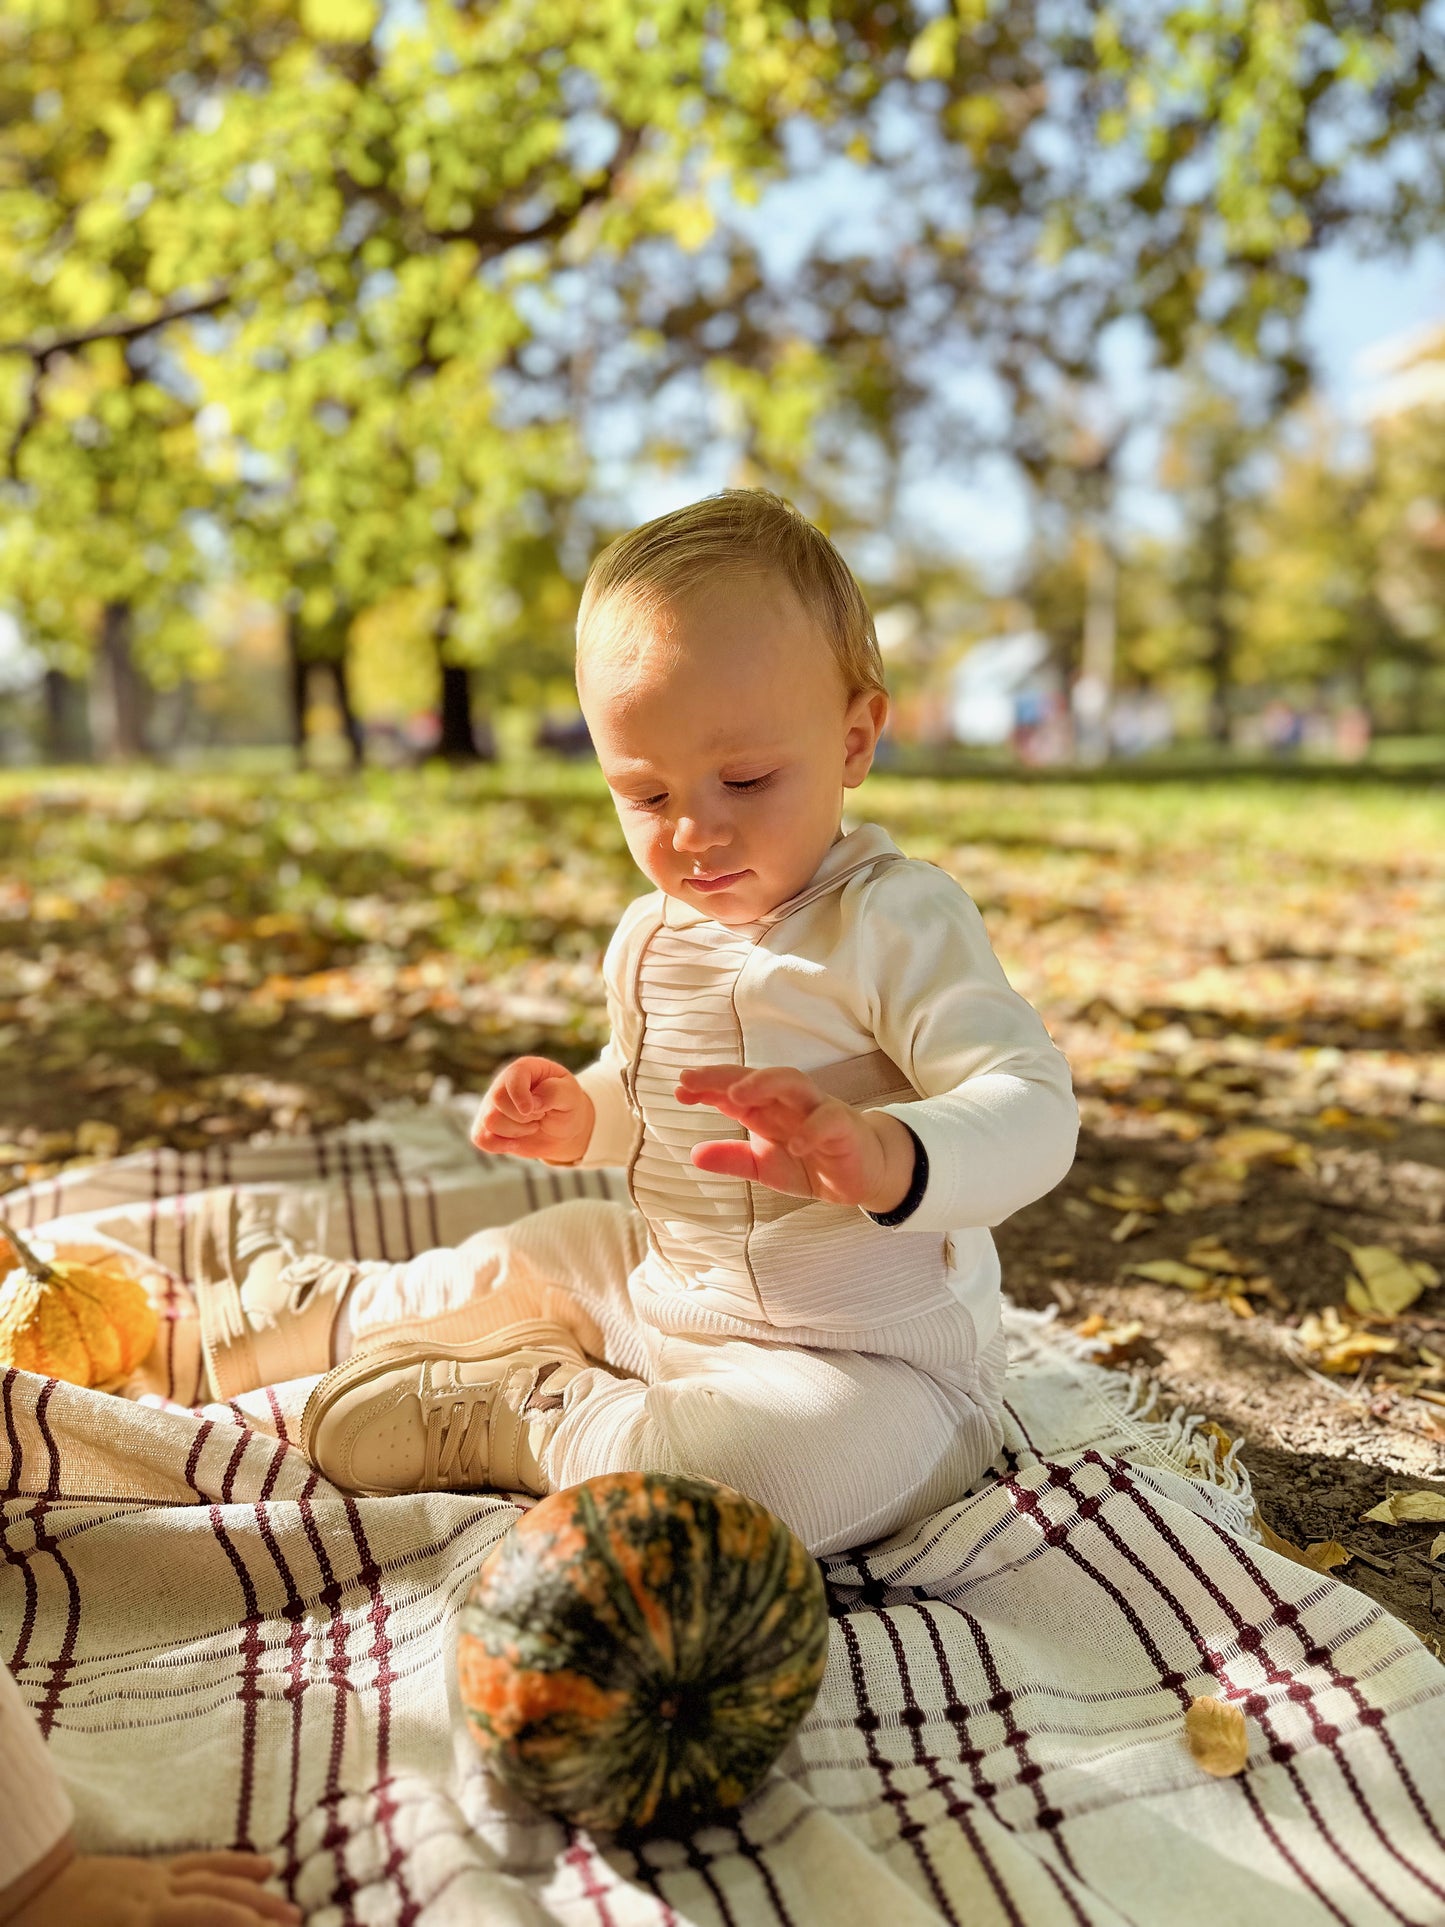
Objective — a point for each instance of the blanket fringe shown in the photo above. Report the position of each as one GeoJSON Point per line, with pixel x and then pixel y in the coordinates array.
{"type": "Point", "coordinates": [1174, 1433]}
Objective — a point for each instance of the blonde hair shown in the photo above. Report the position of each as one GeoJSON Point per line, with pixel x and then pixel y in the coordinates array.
{"type": "Point", "coordinates": [739, 528]}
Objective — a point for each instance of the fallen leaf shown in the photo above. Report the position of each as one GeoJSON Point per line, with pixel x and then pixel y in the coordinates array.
{"type": "Point", "coordinates": [1131, 1222]}
{"type": "Point", "coordinates": [1212, 1256]}
{"type": "Point", "coordinates": [1122, 1200]}
{"type": "Point", "coordinates": [1278, 1234]}
{"type": "Point", "coordinates": [1387, 1283]}
{"type": "Point", "coordinates": [1408, 1507]}
{"type": "Point", "coordinates": [1255, 1143]}
{"type": "Point", "coordinates": [1217, 1735]}
{"type": "Point", "coordinates": [1318, 1557]}
{"type": "Point", "coordinates": [1338, 1347]}
{"type": "Point", "coordinates": [1437, 1548]}
{"type": "Point", "coordinates": [1110, 1342]}
{"type": "Point", "coordinates": [1168, 1271]}
{"type": "Point", "coordinates": [1057, 1260]}
{"type": "Point", "coordinates": [1239, 1304]}
{"type": "Point", "coordinates": [1325, 1554]}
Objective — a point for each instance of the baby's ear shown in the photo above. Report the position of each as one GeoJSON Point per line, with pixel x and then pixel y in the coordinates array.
{"type": "Point", "coordinates": [864, 723]}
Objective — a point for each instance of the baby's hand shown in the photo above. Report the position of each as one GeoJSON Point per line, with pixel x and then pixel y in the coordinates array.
{"type": "Point", "coordinates": [535, 1109]}
{"type": "Point", "coordinates": [189, 1890]}
{"type": "Point", "coordinates": [799, 1139]}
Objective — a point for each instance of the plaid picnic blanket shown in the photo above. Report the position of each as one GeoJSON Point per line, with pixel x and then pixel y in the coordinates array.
{"type": "Point", "coordinates": [223, 1649]}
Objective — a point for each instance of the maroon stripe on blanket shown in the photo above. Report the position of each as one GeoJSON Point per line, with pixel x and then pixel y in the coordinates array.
{"type": "Point", "coordinates": [1211, 1660]}
{"type": "Point", "coordinates": [248, 1693]}
{"type": "Point", "coordinates": [582, 1858]}
{"type": "Point", "coordinates": [1050, 1819]}
{"type": "Point", "coordinates": [393, 1166]}
{"type": "Point", "coordinates": [12, 1557]}
{"type": "Point", "coordinates": [348, 1195]}
{"type": "Point", "coordinates": [278, 1415]}
{"type": "Point", "coordinates": [1317, 1655]}
{"type": "Point", "coordinates": [296, 1643]}
{"type": "Point", "coordinates": [378, 1215]}
{"type": "Point", "coordinates": [279, 1457]}
{"type": "Point", "coordinates": [956, 1714]}
{"type": "Point", "coordinates": [1284, 1853]}
{"type": "Point", "coordinates": [433, 1217]}
{"type": "Point", "coordinates": [44, 1542]}
{"type": "Point", "coordinates": [335, 1838]}
{"type": "Point", "coordinates": [1250, 1640]}
{"type": "Point", "coordinates": [370, 1577]}
{"type": "Point", "coordinates": [868, 1724]}
{"type": "Point", "coordinates": [228, 1477]}
{"type": "Point", "coordinates": [193, 1457]}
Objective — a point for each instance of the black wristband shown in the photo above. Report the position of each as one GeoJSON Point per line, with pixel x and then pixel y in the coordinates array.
{"type": "Point", "coordinates": [913, 1197]}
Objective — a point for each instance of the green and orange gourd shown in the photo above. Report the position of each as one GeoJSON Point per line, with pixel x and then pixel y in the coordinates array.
{"type": "Point", "coordinates": [638, 1650]}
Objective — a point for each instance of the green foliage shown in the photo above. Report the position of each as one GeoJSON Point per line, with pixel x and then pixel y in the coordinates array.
{"type": "Point", "coordinates": [350, 293]}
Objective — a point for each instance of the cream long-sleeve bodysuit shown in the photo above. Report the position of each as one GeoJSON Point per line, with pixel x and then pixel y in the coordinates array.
{"type": "Point", "coordinates": [848, 1374]}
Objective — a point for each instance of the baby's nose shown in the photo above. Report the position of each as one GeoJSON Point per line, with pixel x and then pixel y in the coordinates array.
{"type": "Point", "coordinates": [694, 835]}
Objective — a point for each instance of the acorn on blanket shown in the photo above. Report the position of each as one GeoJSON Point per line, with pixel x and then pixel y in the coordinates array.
{"type": "Point", "coordinates": [638, 1650]}
{"type": "Point", "coordinates": [85, 1320]}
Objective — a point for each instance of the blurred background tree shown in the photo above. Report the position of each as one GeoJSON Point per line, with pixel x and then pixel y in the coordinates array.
{"type": "Point", "coordinates": [386, 315]}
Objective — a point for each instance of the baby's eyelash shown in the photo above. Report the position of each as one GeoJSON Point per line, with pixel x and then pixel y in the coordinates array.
{"type": "Point", "coordinates": [749, 783]}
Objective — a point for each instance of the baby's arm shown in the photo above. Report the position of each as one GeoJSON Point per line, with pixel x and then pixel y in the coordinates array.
{"type": "Point", "coordinates": [45, 1883]}
{"type": "Point", "coordinates": [997, 1121]}
{"type": "Point", "coordinates": [538, 1109]}
{"type": "Point", "coordinates": [997, 1116]}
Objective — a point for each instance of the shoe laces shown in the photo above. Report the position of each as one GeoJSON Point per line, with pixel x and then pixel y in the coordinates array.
{"type": "Point", "coordinates": [456, 1438]}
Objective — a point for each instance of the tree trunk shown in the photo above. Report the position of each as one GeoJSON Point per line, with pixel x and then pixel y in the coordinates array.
{"type": "Point", "coordinates": [337, 666]}
{"type": "Point", "coordinates": [458, 742]}
{"type": "Point", "coordinates": [118, 696]}
{"type": "Point", "coordinates": [66, 737]}
{"type": "Point", "coordinates": [1096, 667]}
{"type": "Point", "coordinates": [296, 683]}
{"type": "Point", "coordinates": [1219, 622]}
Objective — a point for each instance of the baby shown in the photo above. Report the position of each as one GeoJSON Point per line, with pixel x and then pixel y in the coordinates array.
{"type": "Point", "coordinates": [819, 1081]}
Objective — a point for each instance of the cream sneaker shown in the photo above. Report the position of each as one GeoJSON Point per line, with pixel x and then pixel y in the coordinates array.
{"type": "Point", "coordinates": [417, 1417]}
{"type": "Point", "coordinates": [266, 1307]}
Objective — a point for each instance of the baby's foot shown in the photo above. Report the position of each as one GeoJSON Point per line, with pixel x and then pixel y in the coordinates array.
{"type": "Point", "coordinates": [416, 1417]}
{"type": "Point", "coordinates": [267, 1309]}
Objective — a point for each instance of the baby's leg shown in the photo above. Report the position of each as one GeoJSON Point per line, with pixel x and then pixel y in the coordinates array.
{"type": "Point", "coordinates": [567, 1263]}
{"type": "Point", "coordinates": [844, 1446]}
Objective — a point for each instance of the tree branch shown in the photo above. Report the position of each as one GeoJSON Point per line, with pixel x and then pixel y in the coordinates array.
{"type": "Point", "coordinates": [42, 349]}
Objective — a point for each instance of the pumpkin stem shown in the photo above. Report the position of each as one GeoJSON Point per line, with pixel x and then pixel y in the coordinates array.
{"type": "Point", "coordinates": [47, 1274]}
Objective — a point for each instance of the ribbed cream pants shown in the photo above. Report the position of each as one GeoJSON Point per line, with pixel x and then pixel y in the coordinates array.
{"type": "Point", "coordinates": [845, 1446]}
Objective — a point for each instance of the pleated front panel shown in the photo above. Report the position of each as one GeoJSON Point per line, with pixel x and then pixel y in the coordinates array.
{"type": "Point", "coordinates": [698, 1222]}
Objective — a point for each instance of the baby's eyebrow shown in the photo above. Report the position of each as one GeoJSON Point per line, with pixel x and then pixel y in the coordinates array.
{"type": "Point", "coordinates": [750, 753]}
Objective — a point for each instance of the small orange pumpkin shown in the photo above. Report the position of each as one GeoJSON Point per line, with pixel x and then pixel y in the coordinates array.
{"type": "Point", "coordinates": [88, 1322]}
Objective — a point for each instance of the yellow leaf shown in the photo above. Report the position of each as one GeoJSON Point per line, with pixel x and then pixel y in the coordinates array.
{"type": "Point", "coordinates": [1239, 1305]}
{"type": "Point", "coordinates": [1408, 1508]}
{"type": "Point", "coordinates": [1324, 1554]}
{"type": "Point", "coordinates": [350, 20]}
{"type": "Point", "coordinates": [1254, 1142]}
{"type": "Point", "coordinates": [1337, 1346]}
{"type": "Point", "coordinates": [1217, 1736]}
{"type": "Point", "coordinates": [1437, 1547]}
{"type": "Point", "coordinates": [1387, 1284]}
{"type": "Point", "coordinates": [1131, 1222]}
{"type": "Point", "coordinates": [1122, 1200]}
{"type": "Point", "coordinates": [1168, 1271]}
{"type": "Point", "coordinates": [1210, 1255]}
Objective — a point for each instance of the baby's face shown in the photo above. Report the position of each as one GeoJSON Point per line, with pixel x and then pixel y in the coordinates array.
{"type": "Point", "coordinates": [726, 737]}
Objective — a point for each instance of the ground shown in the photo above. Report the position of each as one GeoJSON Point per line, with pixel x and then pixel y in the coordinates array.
{"type": "Point", "coordinates": [1246, 977]}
